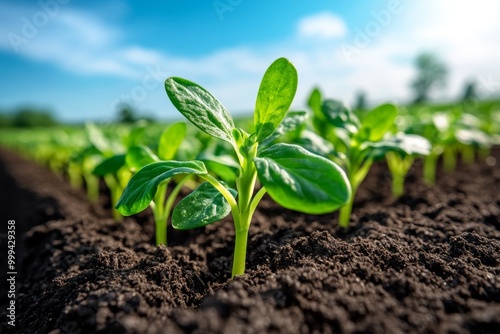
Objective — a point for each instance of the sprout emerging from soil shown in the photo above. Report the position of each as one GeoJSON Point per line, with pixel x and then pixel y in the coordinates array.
{"type": "Point", "coordinates": [293, 177]}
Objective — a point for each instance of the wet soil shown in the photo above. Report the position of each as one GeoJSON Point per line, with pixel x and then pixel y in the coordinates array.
{"type": "Point", "coordinates": [428, 262]}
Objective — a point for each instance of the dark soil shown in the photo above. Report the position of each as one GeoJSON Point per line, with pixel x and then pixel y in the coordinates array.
{"type": "Point", "coordinates": [428, 262]}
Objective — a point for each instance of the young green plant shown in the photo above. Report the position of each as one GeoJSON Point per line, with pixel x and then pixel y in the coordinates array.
{"type": "Point", "coordinates": [292, 176]}
{"type": "Point", "coordinates": [356, 143]}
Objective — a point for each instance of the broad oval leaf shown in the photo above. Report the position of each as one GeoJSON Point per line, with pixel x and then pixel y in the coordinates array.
{"type": "Point", "coordinates": [276, 93]}
{"type": "Point", "coordinates": [142, 187]}
{"type": "Point", "coordinates": [473, 137]}
{"type": "Point", "coordinates": [377, 122]}
{"type": "Point", "coordinates": [302, 181]}
{"type": "Point", "coordinates": [338, 115]}
{"type": "Point", "coordinates": [110, 165]}
{"type": "Point", "coordinates": [402, 144]}
{"type": "Point", "coordinates": [171, 140]}
{"type": "Point", "coordinates": [203, 206]}
{"type": "Point", "coordinates": [200, 107]}
{"type": "Point", "coordinates": [315, 143]}
{"type": "Point", "coordinates": [292, 120]}
{"type": "Point", "coordinates": [140, 156]}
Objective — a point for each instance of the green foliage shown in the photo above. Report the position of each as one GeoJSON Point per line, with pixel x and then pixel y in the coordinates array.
{"type": "Point", "coordinates": [356, 143]}
{"type": "Point", "coordinates": [284, 170]}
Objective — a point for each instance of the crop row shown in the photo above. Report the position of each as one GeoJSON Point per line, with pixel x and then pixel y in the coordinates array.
{"type": "Point", "coordinates": [312, 162]}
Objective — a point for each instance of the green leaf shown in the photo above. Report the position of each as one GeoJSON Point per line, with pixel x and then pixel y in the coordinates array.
{"type": "Point", "coordinates": [314, 102]}
{"type": "Point", "coordinates": [339, 116]}
{"type": "Point", "coordinates": [200, 107]}
{"type": "Point", "coordinates": [224, 166]}
{"type": "Point", "coordinates": [134, 138]}
{"type": "Point", "coordinates": [292, 121]}
{"type": "Point", "coordinates": [314, 143]}
{"type": "Point", "coordinates": [276, 93]}
{"type": "Point", "coordinates": [97, 138]}
{"type": "Point", "coordinates": [473, 137]}
{"type": "Point", "coordinates": [203, 206]}
{"type": "Point", "coordinates": [403, 144]}
{"type": "Point", "coordinates": [302, 181]}
{"type": "Point", "coordinates": [377, 122]}
{"type": "Point", "coordinates": [110, 165]}
{"type": "Point", "coordinates": [171, 140]}
{"type": "Point", "coordinates": [140, 156]}
{"type": "Point", "coordinates": [142, 187]}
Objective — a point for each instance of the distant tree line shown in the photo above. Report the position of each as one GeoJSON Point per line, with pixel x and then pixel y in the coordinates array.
{"type": "Point", "coordinates": [27, 118]}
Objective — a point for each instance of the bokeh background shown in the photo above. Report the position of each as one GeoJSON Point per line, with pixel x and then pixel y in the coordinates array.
{"type": "Point", "coordinates": [84, 60]}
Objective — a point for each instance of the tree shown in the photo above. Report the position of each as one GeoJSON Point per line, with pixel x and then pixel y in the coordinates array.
{"type": "Point", "coordinates": [360, 101]}
{"type": "Point", "coordinates": [126, 114]}
{"type": "Point", "coordinates": [431, 74]}
{"type": "Point", "coordinates": [470, 92]}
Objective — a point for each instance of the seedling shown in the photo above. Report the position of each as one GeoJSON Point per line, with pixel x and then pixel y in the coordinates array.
{"type": "Point", "coordinates": [140, 156]}
{"type": "Point", "coordinates": [293, 177]}
{"type": "Point", "coordinates": [406, 148]}
{"type": "Point", "coordinates": [357, 143]}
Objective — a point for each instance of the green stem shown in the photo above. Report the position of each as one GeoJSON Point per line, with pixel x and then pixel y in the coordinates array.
{"type": "Point", "coordinates": [484, 152]}
{"type": "Point", "coordinates": [398, 185]}
{"type": "Point", "coordinates": [92, 184]}
{"type": "Point", "coordinates": [240, 250]}
{"type": "Point", "coordinates": [160, 221]}
{"type": "Point", "coordinates": [430, 163]}
{"type": "Point", "coordinates": [345, 213]}
{"type": "Point", "coordinates": [449, 159]}
{"type": "Point", "coordinates": [468, 154]}
{"type": "Point", "coordinates": [173, 195]}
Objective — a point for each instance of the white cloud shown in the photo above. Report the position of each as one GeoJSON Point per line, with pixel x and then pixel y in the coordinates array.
{"type": "Point", "coordinates": [323, 25]}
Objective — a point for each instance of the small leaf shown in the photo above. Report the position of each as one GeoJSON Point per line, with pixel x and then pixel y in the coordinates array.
{"type": "Point", "coordinates": [276, 93]}
{"type": "Point", "coordinates": [140, 156]}
{"type": "Point", "coordinates": [97, 138]}
{"type": "Point", "coordinates": [292, 121]}
{"type": "Point", "coordinates": [200, 107]}
{"type": "Point", "coordinates": [473, 137]}
{"type": "Point", "coordinates": [314, 143]}
{"type": "Point", "coordinates": [302, 181]}
{"type": "Point", "coordinates": [223, 165]}
{"type": "Point", "coordinates": [203, 206]}
{"type": "Point", "coordinates": [403, 144]}
{"type": "Point", "coordinates": [314, 102]}
{"type": "Point", "coordinates": [377, 122]}
{"type": "Point", "coordinates": [142, 187]}
{"type": "Point", "coordinates": [171, 140]}
{"type": "Point", "coordinates": [135, 136]}
{"type": "Point", "coordinates": [339, 116]}
{"type": "Point", "coordinates": [110, 165]}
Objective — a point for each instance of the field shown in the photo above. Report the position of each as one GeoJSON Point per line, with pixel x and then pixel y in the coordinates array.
{"type": "Point", "coordinates": [428, 262]}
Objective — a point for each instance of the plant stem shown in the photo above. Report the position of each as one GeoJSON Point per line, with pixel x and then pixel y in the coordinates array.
{"type": "Point", "coordinates": [449, 159]}
{"type": "Point", "coordinates": [430, 163]}
{"type": "Point", "coordinates": [240, 252]}
{"type": "Point", "coordinates": [160, 221]}
{"type": "Point", "coordinates": [345, 213]}
{"type": "Point", "coordinates": [92, 184]}
{"type": "Point", "coordinates": [173, 195]}
{"type": "Point", "coordinates": [468, 154]}
{"type": "Point", "coordinates": [398, 184]}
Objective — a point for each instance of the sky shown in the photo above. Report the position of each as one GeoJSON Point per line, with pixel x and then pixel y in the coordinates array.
{"type": "Point", "coordinates": [81, 59]}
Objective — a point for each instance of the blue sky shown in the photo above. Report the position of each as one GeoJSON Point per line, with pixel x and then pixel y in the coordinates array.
{"type": "Point", "coordinates": [81, 58]}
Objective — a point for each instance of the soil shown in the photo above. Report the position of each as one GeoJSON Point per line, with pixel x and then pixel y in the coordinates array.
{"type": "Point", "coordinates": [428, 262]}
